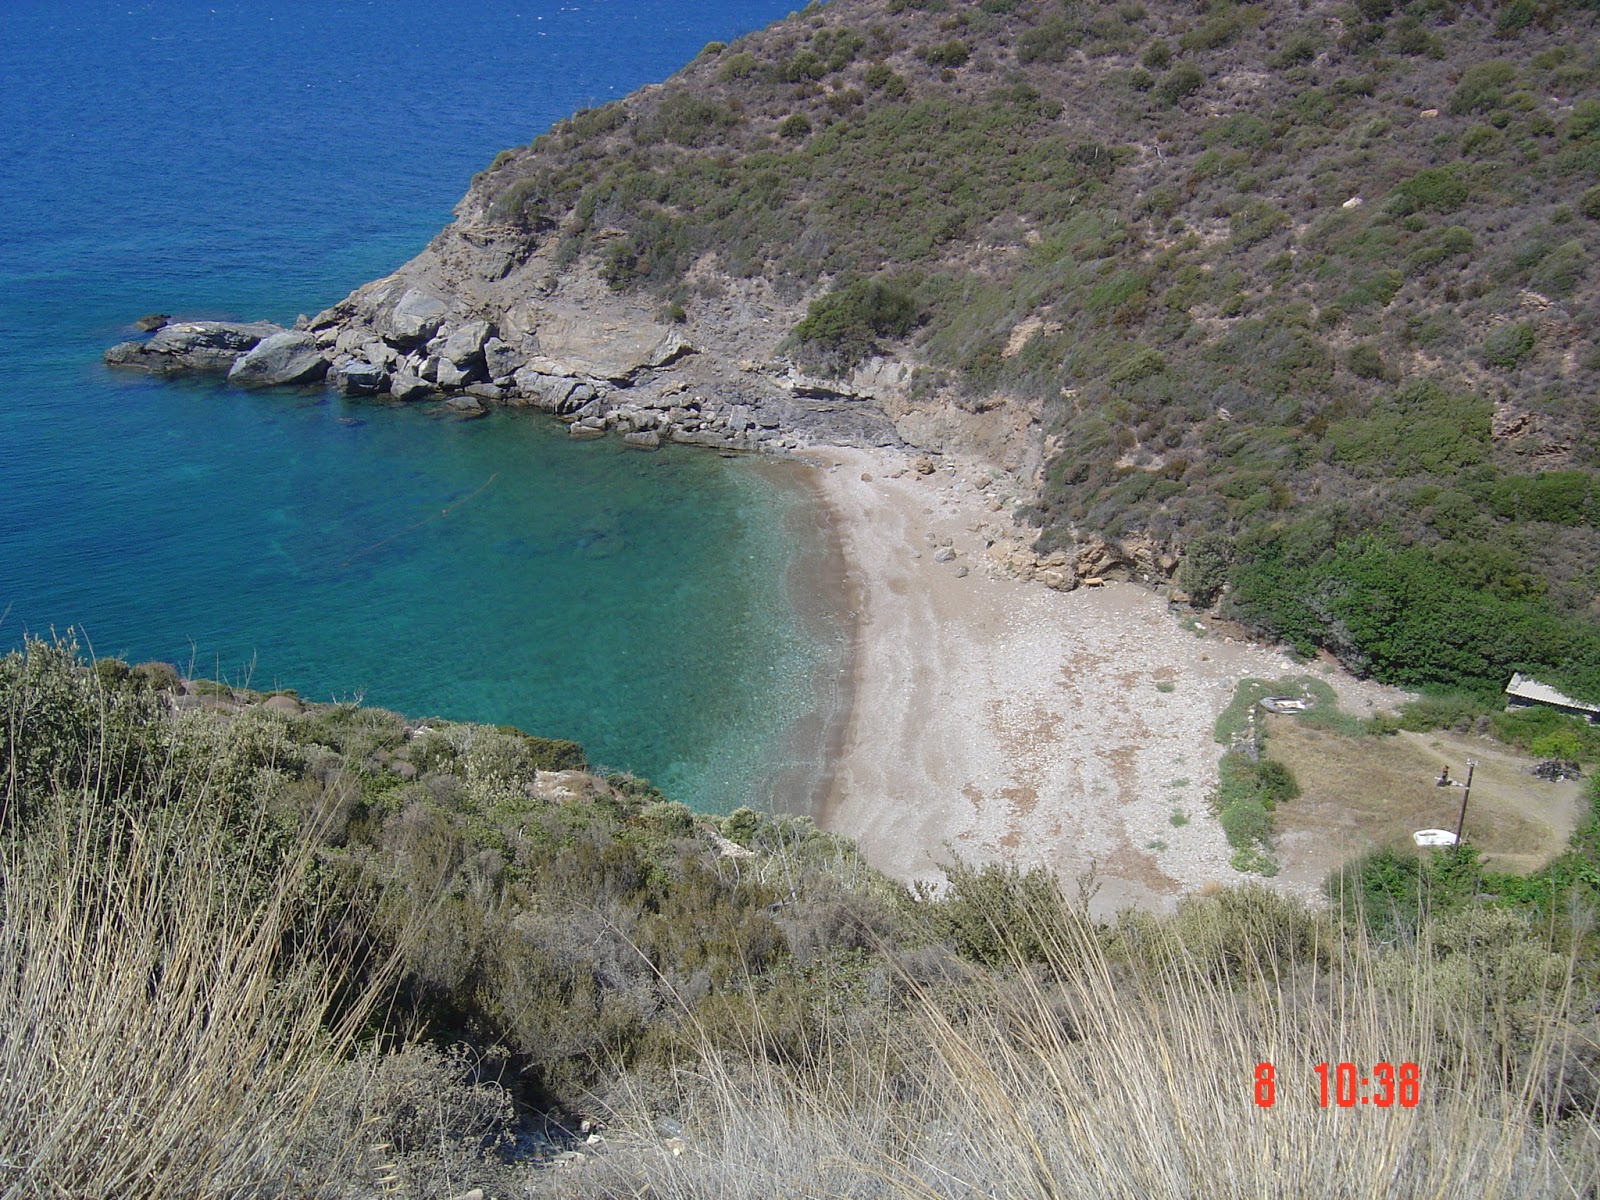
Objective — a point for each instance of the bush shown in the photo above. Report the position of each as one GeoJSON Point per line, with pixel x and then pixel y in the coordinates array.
{"type": "Point", "coordinates": [794, 127]}
{"type": "Point", "coordinates": [1182, 81]}
{"type": "Point", "coordinates": [953, 53]}
{"type": "Point", "coordinates": [1366, 361]}
{"type": "Point", "coordinates": [1482, 87]}
{"type": "Point", "coordinates": [1437, 189]}
{"type": "Point", "coordinates": [845, 325]}
{"type": "Point", "coordinates": [1507, 345]}
{"type": "Point", "coordinates": [1204, 569]}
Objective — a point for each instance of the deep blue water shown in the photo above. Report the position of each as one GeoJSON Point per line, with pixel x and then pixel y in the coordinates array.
{"type": "Point", "coordinates": [261, 160]}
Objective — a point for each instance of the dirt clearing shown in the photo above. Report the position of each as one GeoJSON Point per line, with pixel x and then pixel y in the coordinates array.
{"type": "Point", "coordinates": [1365, 793]}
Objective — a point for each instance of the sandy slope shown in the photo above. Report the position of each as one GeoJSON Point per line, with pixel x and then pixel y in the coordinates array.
{"type": "Point", "coordinates": [998, 719]}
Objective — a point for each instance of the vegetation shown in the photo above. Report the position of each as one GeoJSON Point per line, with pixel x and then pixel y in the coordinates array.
{"type": "Point", "coordinates": [737, 1002]}
{"type": "Point", "coordinates": [1336, 318]}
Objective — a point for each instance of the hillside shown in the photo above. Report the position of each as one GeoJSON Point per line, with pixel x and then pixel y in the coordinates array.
{"type": "Point", "coordinates": [1301, 295]}
{"type": "Point", "coordinates": [255, 947]}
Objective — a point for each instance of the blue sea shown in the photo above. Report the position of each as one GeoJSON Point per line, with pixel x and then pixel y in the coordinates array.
{"type": "Point", "coordinates": [245, 160]}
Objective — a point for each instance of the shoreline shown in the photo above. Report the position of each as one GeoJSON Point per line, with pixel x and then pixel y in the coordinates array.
{"type": "Point", "coordinates": [825, 601]}
{"type": "Point", "coordinates": [996, 720]}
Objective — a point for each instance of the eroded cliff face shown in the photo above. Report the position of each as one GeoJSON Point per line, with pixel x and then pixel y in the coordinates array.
{"type": "Point", "coordinates": [488, 313]}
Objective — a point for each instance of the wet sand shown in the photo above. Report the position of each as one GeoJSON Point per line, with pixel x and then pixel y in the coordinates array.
{"type": "Point", "coordinates": [993, 719]}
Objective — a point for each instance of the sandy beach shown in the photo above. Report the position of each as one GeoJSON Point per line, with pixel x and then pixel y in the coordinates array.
{"type": "Point", "coordinates": [994, 719]}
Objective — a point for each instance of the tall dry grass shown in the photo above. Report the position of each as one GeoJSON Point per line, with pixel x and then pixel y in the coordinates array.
{"type": "Point", "coordinates": [1124, 1066]}
{"type": "Point", "coordinates": [164, 1028]}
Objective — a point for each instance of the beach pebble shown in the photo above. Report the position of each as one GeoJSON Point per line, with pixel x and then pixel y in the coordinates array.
{"type": "Point", "coordinates": [944, 554]}
{"type": "Point", "coordinates": [866, 477]}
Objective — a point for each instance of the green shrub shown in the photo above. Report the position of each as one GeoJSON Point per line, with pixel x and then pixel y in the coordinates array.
{"type": "Point", "coordinates": [1437, 189]}
{"type": "Point", "coordinates": [1589, 204]}
{"type": "Point", "coordinates": [1482, 87]}
{"type": "Point", "coordinates": [846, 324]}
{"type": "Point", "coordinates": [1051, 41]}
{"type": "Point", "coordinates": [1204, 569]}
{"type": "Point", "coordinates": [951, 54]}
{"type": "Point", "coordinates": [1158, 57]}
{"type": "Point", "coordinates": [794, 127]}
{"type": "Point", "coordinates": [740, 66]}
{"type": "Point", "coordinates": [1141, 364]}
{"type": "Point", "coordinates": [1299, 49]}
{"type": "Point", "coordinates": [1584, 122]}
{"type": "Point", "coordinates": [1182, 81]}
{"type": "Point", "coordinates": [1246, 822]}
{"type": "Point", "coordinates": [1507, 345]}
{"type": "Point", "coordinates": [1366, 361]}
{"type": "Point", "coordinates": [1222, 29]}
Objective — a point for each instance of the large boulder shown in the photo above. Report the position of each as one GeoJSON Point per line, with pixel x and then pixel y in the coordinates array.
{"type": "Point", "coordinates": [463, 347]}
{"type": "Point", "coordinates": [415, 318]}
{"type": "Point", "coordinates": [501, 359]}
{"type": "Point", "coordinates": [576, 344]}
{"type": "Point", "coordinates": [358, 378]}
{"type": "Point", "coordinates": [408, 385]}
{"type": "Point", "coordinates": [283, 358]}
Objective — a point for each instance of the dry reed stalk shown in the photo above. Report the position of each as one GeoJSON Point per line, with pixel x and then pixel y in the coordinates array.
{"type": "Point", "coordinates": [160, 1033]}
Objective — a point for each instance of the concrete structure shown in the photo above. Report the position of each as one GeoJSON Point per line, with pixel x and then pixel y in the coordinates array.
{"type": "Point", "coordinates": [1523, 692]}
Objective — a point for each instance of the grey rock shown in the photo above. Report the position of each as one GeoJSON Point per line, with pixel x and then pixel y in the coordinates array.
{"type": "Point", "coordinates": [553, 393]}
{"type": "Point", "coordinates": [283, 358]}
{"type": "Point", "coordinates": [408, 385]}
{"type": "Point", "coordinates": [500, 359]}
{"type": "Point", "coordinates": [584, 432]}
{"type": "Point", "coordinates": [152, 322]}
{"type": "Point", "coordinates": [448, 375]}
{"type": "Point", "coordinates": [466, 407]}
{"type": "Point", "coordinates": [415, 318]}
{"type": "Point", "coordinates": [739, 418]}
{"type": "Point", "coordinates": [701, 437]}
{"type": "Point", "coordinates": [647, 439]}
{"type": "Point", "coordinates": [429, 368]}
{"type": "Point", "coordinates": [486, 392]}
{"type": "Point", "coordinates": [944, 554]}
{"type": "Point", "coordinates": [465, 344]}
{"type": "Point", "coordinates": [358, 378]}
{"type": "Point", "coordinates": [192, 346]}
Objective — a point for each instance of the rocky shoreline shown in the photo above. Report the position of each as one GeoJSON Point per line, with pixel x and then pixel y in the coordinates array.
{"type": "Point", "coordinates": [639, 381]}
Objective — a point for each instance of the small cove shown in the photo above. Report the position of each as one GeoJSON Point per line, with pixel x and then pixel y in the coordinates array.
{"type": "Point", "coordinates": [648, 605]}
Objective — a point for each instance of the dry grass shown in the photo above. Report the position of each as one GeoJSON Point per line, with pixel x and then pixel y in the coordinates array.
{"type": "Point", "coordinates": [1367, 793]}
{"type": "Point", "coordinates": [1128, 1070]}
{"type": "Point", "coordinates": [159, 1033]}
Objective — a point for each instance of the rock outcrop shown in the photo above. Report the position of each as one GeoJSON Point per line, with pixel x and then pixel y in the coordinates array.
{"type": "Point", "coordinates": [193, 346]}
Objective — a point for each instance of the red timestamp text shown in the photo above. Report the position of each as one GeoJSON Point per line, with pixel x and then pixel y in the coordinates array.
{"type": "Point", "coordinates": [1344, 1085]}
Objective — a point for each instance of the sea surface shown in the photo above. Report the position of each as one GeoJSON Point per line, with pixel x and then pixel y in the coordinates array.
{"type": "Point", "coordinates": [262, 159]}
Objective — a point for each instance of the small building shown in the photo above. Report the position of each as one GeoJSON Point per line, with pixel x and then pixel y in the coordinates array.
{"type": "Point", "coordinates": [1523, 692]}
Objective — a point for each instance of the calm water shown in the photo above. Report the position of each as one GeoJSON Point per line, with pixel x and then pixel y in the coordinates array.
{"type": "Point", "coordinates": [261, 160]}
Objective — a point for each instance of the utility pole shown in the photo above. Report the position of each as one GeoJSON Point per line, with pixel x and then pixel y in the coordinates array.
{"type": "Point", "coordinates": [1466, 794]}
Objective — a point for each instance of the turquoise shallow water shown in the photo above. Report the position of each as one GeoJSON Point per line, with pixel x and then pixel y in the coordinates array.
{"type": "Point", "coordinates": [263, 159]}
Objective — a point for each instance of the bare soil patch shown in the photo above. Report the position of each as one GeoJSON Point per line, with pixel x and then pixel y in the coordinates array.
{"type": "Point", "coordinates": [1368, 793]}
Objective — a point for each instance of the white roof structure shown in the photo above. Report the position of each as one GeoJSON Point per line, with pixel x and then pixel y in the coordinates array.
{"type": "Point", "coordinates": [1524, 688]}
{"type": "Point", "coordinates": [1434, 837]}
